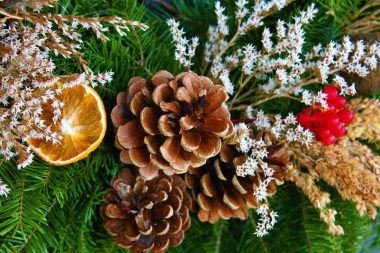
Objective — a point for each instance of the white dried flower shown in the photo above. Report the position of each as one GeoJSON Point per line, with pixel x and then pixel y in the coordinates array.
{"type": "Point", "coordinates": [307, 97]}
{"type": "Point", "coordinates": [224, 77]}
{"type": "Point", "coordinates": [267, 220]}
{"type": "Point", "coordinates": [4, 190]}
{"type": "Point", "coordinates": [185, 49]}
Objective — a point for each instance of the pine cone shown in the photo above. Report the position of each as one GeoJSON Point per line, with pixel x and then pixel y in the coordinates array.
{"type": "Point", "coordinates": [220, 193]}
{"type": "Point", "coordinates": [170, 123]}
{"type": "Point", "coordinates": [146, 215]}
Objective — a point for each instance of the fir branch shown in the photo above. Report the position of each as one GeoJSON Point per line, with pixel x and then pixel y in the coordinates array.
{"type": "Point", "coordinates": [34, 230]}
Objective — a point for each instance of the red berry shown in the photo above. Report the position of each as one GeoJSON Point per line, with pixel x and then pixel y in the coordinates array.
{"type": "Point", "coordinates": [333, 123]}
{"type": "Point", "coordinates": [338, 130]}
{"type": "Point", "coordinates": [331, 119]}
{"type": "Point", "coordinates": [331, 105]}
{"type": "Point", "coordinates": [304, 117]}
{"type": "Point", "coordinates": [310, 118]}
{"type": "Point", "coordinates": [325, 136]}
{"type": "Point", "coordinates": [317, 113]}
{"type": "Point", "coordinates": [339, 102]}
{"type": "Point", "coordinates": [317, 118]}
{"type": "Point", "coordinates": [304, 120]}
{"type": "Point", "coordinates": [331, 91]}
{"type": "Point", "coordinates": [346, 116]}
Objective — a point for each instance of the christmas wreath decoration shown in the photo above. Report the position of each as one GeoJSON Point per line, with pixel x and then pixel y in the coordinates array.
{"type": "Point", "coordinates": [254, 119]}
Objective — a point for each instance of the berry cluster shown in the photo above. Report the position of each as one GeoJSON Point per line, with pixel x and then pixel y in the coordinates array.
{"type": "Point", "coordinates": [327, 124]}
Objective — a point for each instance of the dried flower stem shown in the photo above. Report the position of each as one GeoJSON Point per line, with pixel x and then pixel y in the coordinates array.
{"type": "Point", "coordinates": [239, 33]}
{"type": "Point", "coordinates": [264, 100]}
{"type": "Point", "coordinates": [7, 16]}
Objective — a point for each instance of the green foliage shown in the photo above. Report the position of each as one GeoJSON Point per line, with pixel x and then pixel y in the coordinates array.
{"type": "Point", "coordinates": [342, 11]}
{"type": "Point", "coordinates": [299, 229]}
{"type": "Point", "coordinates": [54, 209]}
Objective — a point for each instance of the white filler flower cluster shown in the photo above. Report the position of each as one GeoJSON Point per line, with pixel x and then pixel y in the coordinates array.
{"type": "Point", "coordinates": [281, 68]}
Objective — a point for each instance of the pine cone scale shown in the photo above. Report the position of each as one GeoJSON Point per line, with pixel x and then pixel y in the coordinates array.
{"type": "Point", "coordinates": [131, 135]}
{"type": "Point", "coordinates": [173, 107]}
{"type": "Point", "coordinates": [162, 227]}
{"type": "Point", "coordinates": [139, 156]}
{"type": "Point", "coordinates": [171, 149]}
{"type": "Point", "coordinates": [210, 146]}
{"type": "Point", "coordinates": [124, 157]}
{"type": "Point", "coordinates": [115, 226]}
{"type": "Point", "coordinates": [215, 125]}
{"type": "Point", "coordinates": [113, 211]}
{"type": "Point", "coordinates": [136, 84]}
{"type": "Point", "coordinates": [162, 93]}
{"type": "Point", "coordinates": [165, 126]}
{"type": "Point", "coordinates": [215, 98]}
{"type": "Point", "coordinates": [131, 231]}
{"type": "Point", "coordinates": [162, 77]}
{"type": "Point", "coordinates": [190, 140]}
{"type": "Point", "coordinates": [207, 186]}
{"type": "Point", "coordinates": [119, 116]}
{"type": "Point", "coordinates": [149, 120]}
{"type": "Point", "coordinates": [192, 84]}
{"type": "Point", "coordinates": [123, 242]}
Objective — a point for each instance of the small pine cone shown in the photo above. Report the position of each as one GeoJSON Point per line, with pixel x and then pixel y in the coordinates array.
{"type": "Point", "coordinates": [170, 123]}
{"type": "Point", "coordinates": [220, 193]}
{"type": "Point", "coordinates": [145, 215]}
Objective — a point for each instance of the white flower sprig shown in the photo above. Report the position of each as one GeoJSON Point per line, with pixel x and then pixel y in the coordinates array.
{"type": "Point", "coordinates": [276, 129]}
{"type": "Point", "coordinates": [4, 189]}
{"type": "Point", "coordinates": [281, 128]}
{"type": "Point", "coordinates": [256, 151]}
{"type": "Point", "coordinates": [185, 50]}
{"type": "Point", "coordinates": [267, 220]}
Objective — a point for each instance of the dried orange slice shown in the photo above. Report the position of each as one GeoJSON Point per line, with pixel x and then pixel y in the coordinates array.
{"type": "Point", "coordinates": [82, 127]}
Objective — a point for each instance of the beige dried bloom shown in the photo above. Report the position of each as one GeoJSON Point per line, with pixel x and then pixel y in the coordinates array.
{"type": "Point", "coordinates": [305, 182]}
{"type": "Point", "coordinates": [318, 198]}
{"type": "Point", "coordinates": [28, 39]}
{"type": "Point", "coordinates": [350, 167]}
{"type": "Point", "coordinates": [328, 216]}
{"type": "Point", "coordinates": [366, 124]}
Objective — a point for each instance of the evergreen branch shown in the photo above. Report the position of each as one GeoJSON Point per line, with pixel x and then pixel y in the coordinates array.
{"type": "Point", "coordinates": [140, 47]}
{"type": "Point", "coordinates": [35, 228]}
{"type": "Point", "coordinates": [304, 221]}
{"type": "Point", "coordinates": [20, 223]}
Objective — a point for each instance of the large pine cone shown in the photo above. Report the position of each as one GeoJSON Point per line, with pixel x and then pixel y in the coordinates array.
{"type": "Point", "coordinates": [145, 214]}
{"type": "Point", "coordinates": [220, 193]}
{"type": "Point", "coordinates": [170, 123]}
